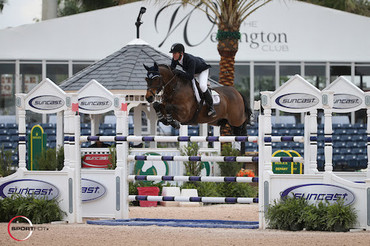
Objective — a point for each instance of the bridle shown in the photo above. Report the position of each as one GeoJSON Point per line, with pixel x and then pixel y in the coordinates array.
{"type": "Point", "coordinates": [159, 87]}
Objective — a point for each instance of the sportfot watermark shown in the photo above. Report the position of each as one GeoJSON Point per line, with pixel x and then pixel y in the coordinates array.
{"type": "Point", "coordinates": [20, 228]}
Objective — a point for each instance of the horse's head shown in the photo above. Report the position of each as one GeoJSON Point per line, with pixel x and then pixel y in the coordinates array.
{"type": "Point", "coordinates": [154, 82]}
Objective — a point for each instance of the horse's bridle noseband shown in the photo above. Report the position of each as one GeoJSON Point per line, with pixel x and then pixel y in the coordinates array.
{"type": "Point", "coordinates": [160, 87]}
{"type": "Point", "coordinates": [157, 88]}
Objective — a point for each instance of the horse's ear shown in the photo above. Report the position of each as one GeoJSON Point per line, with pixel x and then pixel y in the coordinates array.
{"type": "Point", "coordinates": [147, 69]}
{"type": "Point", "coordinates": [155, 66]}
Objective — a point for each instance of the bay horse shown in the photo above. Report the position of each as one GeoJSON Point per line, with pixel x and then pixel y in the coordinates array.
{"type": "Point", "coordinates": [178, 102]}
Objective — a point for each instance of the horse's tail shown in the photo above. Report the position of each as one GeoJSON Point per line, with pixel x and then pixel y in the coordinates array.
{"type": "Point", "coordinates": [242, 130]}
{"type": "Point", "coordinates": [247, 109]}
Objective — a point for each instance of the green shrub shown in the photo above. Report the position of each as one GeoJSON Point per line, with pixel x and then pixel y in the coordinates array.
{"type": "Point", "coordinates": [203, 188]}
{"type": "Point", "coordinates": [211, 189]}
{"type": "Point", "coordinates": [192, 168]}
{"type": "Point", "coordinates": [229, 168]}
{"type": "Point", "coordinates": [286, 214]}
{"type": "Point", "coordinates": [38, 210]}
{"type": "Point", "coordinates": [295, 214]}
{"type": "Point", "coordinates": [5, 162]}
{"type": "Point", "coordinates": [315, 217]}
{"type": "Point", "coordinates": [51, 160]}
{"type": "Point", "coordinates": [236, 190]}
{"type": "Point", "coordinates": [112, 157]}
{"type": "Point", "coordinates": [340, 217]}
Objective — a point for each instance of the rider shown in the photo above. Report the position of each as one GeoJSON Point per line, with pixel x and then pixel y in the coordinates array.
{"type": "Point", "coordinates": [194, 67]}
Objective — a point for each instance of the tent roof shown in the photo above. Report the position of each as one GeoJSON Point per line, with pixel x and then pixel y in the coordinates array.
{"type": "Point", "coordinates": [279, 31]}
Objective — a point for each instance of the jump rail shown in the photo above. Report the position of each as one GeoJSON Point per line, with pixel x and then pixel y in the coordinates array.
{"type": "Point", "coordinates": [222, 139]}
{"type": "Point", "coordinates": [247, 200]}
{"type": "Point", "coordinates": [210, 158]}
{"type": "Point", "coordinates": [192, 178]}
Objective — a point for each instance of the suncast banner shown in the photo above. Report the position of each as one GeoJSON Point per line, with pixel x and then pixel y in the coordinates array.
{"type": "Point", "coordinates": [314, 193]}
{"type": "Point", "coordinates": [29, 187]}
{"type": "Point", "coordinates": [91, 190]}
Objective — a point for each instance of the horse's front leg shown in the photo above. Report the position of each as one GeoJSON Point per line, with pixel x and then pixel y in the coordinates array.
{"type": "Point", "coordinates": [171, 110]}
{"type": "Point", "coordinates": [161, 112]}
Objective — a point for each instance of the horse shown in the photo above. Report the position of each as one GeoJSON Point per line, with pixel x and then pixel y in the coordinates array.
{"type": "Point", "coordinates": [179, 104]}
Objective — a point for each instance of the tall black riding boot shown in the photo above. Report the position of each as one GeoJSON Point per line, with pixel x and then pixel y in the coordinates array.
{"type": "Point", "coordinates": [208, 98]}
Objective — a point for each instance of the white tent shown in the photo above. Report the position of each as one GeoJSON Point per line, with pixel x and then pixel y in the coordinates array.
{"type": "Point", "coordinates": [280, 31]}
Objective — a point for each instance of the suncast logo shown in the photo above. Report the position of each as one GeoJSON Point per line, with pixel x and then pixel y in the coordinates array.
{"type": "Point", "coordinates": [94, 103]}
{"type": "Point", "coordinates": [29, 187]}
{"type": "Point", "coordinates": [346, 101]}
{"type": "Point", "coordinates": [91, 190]}
{"type": "Point", "coordinates": [297, 100]}
{"type": "Point", "coordinates": [46, 102]}
{"type": "Point", "coordinates": [320, 192]}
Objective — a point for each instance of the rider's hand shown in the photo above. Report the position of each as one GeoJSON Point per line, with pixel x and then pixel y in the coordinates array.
{"type": "Point", "coordinates": [179, 73]}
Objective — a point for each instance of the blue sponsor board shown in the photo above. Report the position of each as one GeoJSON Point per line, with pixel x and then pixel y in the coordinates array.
{"type": "Point", "coordinates": [29, 187]}
{"type": "Point", "coordinates": [91, 190]}
{"type": "Point", "coordinates": [46, 102]}
{"type": "Point", "coordinates": [314, 193]}
{"type": "Point", "coordinates": [297, 100]}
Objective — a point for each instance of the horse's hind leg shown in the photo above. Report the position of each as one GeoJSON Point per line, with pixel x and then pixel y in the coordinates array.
{"type": "Point", "coordinates": [161, 112]}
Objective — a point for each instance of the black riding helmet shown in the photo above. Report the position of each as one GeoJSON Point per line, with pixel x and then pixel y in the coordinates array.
{"type": "Point", "coordinates": [177, 47]}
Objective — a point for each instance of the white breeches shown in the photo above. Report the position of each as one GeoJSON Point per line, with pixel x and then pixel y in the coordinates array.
{"type": "Point", "coordinates": [203, 80]}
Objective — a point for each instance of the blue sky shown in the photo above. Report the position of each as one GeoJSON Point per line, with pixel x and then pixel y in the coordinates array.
{"type": "Point", "coordinates": [20, 12]}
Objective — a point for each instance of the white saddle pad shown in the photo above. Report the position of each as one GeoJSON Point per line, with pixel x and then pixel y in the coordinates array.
{"type": "Point", "coordinates": [215, 95]}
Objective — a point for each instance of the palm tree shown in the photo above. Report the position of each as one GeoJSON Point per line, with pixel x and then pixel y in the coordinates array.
{"type": "Point", "coordinates": [228, 15]}
{"type": "Point", "coordinates": [2, 2]}
{"type": "Point", "coordinates": [360, 7]}
{"type": "Point", "coordinates": [71, 7]}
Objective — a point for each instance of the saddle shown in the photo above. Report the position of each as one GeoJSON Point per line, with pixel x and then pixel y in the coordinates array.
{"type": "Point", "coordinates": [199, 95]}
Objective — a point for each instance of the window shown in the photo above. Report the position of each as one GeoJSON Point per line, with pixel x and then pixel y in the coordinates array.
{"type": "Point", "coordinates": [264, 79]}
{"type": "Point", "coordinates": [362, 76]}
{"type": "Point", "coordinates": [337, 70]}
{"type": "Point", "coordinates": [7, 89]}
{"type": "Point", "coordinates": [79, 67]}
{"type": "Point", "coordinates": [287, 71]}
{"type": "Point", "coordinates": [242, 79]}
{"type": "Point", "coordinates": [315, 74]}
{"type": "Point", "coordinates": [57, 72]}
{"type": "Point", "coordinates": [31, 75]}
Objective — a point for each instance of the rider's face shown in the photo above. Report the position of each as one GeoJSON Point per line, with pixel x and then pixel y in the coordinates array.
{"type": "Point", "coordinates": [176, 56]}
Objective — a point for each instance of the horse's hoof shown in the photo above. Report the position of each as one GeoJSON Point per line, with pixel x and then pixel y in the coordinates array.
{"type": "Point", "coordinates": [165, 122]}
{"type": "Point", "coordinates": [175, 124]}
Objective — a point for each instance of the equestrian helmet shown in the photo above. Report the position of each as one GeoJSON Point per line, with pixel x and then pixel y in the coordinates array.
{"type": "Point", "coordinates": [177, 47]}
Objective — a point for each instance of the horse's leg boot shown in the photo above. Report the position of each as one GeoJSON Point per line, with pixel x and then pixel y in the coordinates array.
{"type": "Point", "coordinates": [208, 98]}
{"type": "Point", "coordinates": [172, 122]}
{"type": "Point", "coordinates": [161, 117]}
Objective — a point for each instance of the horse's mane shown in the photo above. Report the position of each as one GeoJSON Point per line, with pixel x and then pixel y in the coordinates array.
{"type": "Point", "coordinates": [165, 65]}
{"type": "Point", "coordinates": [181, 80]}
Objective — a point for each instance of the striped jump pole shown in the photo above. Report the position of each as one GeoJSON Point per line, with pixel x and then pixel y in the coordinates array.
{"type": "Point", "coordinates": [173, 139]}
{"type": "Point", "coordinates": [245, 200]}
{"type": "Point", "coordinates": [192, 178]}
{"type": "Point", "coordinates": [210, 158]}
{"type": "Point", "coordinates": [299, 139]}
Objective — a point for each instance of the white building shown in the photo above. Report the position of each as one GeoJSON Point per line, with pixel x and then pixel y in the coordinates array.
{"type": "Point", "coordinates": [279, 40]}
